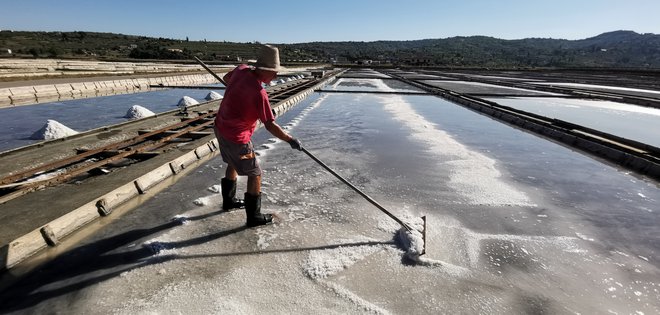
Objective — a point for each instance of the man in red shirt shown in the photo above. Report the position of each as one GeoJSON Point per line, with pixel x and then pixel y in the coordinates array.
{"type": "Point", "coordinates": [246, 101]}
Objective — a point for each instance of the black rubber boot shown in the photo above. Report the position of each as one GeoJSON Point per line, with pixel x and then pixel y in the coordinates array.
{"type": "Point", "coordinates": [229, 200]}
{"type": "Point", "coordinates": [253, 211]}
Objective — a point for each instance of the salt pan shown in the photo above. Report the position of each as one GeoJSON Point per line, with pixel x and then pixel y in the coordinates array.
{"type": "Point", "coordinates": [137, 112]}
{"type": "Point", "coordinates": [52, 130]}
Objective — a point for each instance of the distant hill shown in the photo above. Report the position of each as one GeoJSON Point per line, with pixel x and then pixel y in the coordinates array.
{"type": "Point", "coordinates": [619, 49]}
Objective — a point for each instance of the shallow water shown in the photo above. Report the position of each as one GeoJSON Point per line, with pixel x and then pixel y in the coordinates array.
{"type": "Point", "coordinates": [628, 121]}
{"type": "Point", "coordinates": [19, 123]}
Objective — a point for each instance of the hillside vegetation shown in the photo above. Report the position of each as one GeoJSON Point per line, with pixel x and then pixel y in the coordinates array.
{"type": "Point", "coordinates": [619, 49]}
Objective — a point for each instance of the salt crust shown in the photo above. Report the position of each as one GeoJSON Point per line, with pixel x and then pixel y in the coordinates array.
{"type": "Point", "coordinates": [473, 175]}
{"type": "Point", "coordinates": [321, 264]}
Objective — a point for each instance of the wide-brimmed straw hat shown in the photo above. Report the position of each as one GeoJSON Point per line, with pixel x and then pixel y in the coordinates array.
{"type": "Point", "coordinates": [269, 59]}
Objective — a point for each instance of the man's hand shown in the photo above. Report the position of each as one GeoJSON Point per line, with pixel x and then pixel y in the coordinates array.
{"type": "Point", "coordinates": [295, 144]}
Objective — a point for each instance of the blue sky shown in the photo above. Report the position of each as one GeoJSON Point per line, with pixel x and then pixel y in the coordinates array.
{"type": "Point", "coordinates": [297, 21]}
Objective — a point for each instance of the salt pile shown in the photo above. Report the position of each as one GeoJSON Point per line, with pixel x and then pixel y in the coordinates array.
{"type": "Point", "coordinates": [411, 240]}
{"type": "Point", "coordinates": [137, 112]}
{"type": "Point", "coordinates": [187, 101]}
{"type": "Point", "coordinates": [52, 130]}
{"type": "Point", "coordinates": [213, 95]}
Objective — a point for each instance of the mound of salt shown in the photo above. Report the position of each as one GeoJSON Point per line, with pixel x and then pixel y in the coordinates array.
{"type": "Point", "coordinates": [213, 95]}
{"type": "Point", "coordinates": [137, 112]}
{"type": "Point", "coordinates": [187, 101]}
{"type": "Point", "coordinates": [52, 130]}
{"type": "Point", "coordinates": [411, 240]}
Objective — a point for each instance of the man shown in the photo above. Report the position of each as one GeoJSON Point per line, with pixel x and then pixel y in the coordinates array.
{"type": "Point", "coordinates": [246, 101]}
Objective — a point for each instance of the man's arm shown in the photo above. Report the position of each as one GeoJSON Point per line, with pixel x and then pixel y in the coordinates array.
{"type": "Point", "coordinates": [278, 132]}
{"type": "Point", "coordinates": [227, 77]}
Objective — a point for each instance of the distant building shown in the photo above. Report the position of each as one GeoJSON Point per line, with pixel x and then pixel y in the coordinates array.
{"type": "Point", "coordinates": [318, 73]}
{"type": "Point", "coordinates": [419, 61]}
{"type": "Point", "coordinates": [230, 58]}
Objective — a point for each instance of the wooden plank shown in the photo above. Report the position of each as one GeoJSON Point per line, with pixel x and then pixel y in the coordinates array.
{"type": "Point", "coordinates": [46, 91]}
{"type": "Point", "coordinates": [182, 162]}
{"type": "Point", "coordinates": [202, 151]}
{"type": "Point", "coordinates": [74, 220]}
{"type": "Point", "coordinates": [152, 178]}
{"type": "Point", "coordinates": [64, 90]}
{"type": "Point", "coordinates": [23, 95]}
{"type": "Point", "coordinates": [120, 195]}
{"type": "Point", "coordinates": [23, 248]}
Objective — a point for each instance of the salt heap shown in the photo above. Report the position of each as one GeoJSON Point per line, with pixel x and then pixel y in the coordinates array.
{"type": "Point", "coordinates": [137, 112]}
{"type": "Point", "coordinates": [52, 130]}
{"type": "Point", "coordinates": [213, 95]}
{"type": "Point", "coordinates": [412, 240]}
{"type": "Point", "coordinates": [187, 101]}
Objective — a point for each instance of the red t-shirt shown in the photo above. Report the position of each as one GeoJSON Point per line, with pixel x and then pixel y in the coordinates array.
{"type": "Point", "coordinates": [244, 102]}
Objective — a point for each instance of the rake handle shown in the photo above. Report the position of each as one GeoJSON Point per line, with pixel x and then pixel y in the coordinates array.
{"type": "Point", "coordinates": [371, 200]}
{"type": "Point", "coordinates": [211, 71]}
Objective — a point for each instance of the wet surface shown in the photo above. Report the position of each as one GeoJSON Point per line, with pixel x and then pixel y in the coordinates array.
{"type": "Point", "coordinates": [367, 85]}
{"type": "Point", "coordinates": [624, 120]}
{"type": "Point", "coordinates": [483, 88]}
{"type": "Point", "coordinates": [517, 224]}
{"type": "Point", "coordinates": [605, 88]}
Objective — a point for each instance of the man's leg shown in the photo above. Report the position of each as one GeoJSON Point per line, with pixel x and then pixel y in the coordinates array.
{"type": "Point", "coordinates": [228, 184]}
{"type": "Point", "coordinates": [254, 185]}
{"type": "Point", "coordinates": [230, 173]}
{"type": "Point", "coordinates": [253, 203]}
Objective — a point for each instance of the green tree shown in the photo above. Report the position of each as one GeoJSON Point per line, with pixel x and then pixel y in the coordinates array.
{"type": "Point", "coordinates": [53, 52]}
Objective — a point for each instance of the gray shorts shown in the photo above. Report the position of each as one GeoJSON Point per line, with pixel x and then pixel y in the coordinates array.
{"type": "Point", "coordinates": [239, 156]}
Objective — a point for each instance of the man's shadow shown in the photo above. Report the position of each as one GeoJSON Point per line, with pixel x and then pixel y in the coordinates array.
{"type": "Point", "coordinates": [104, 259]}
{"type": "Point", "coordinates": [92, 263]}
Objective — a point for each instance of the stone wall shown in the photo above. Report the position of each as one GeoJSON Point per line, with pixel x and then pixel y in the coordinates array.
{"type": "Point", "coordinates": [26, 95]}
{"type": "Point", "coordinates": [55, 68]}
